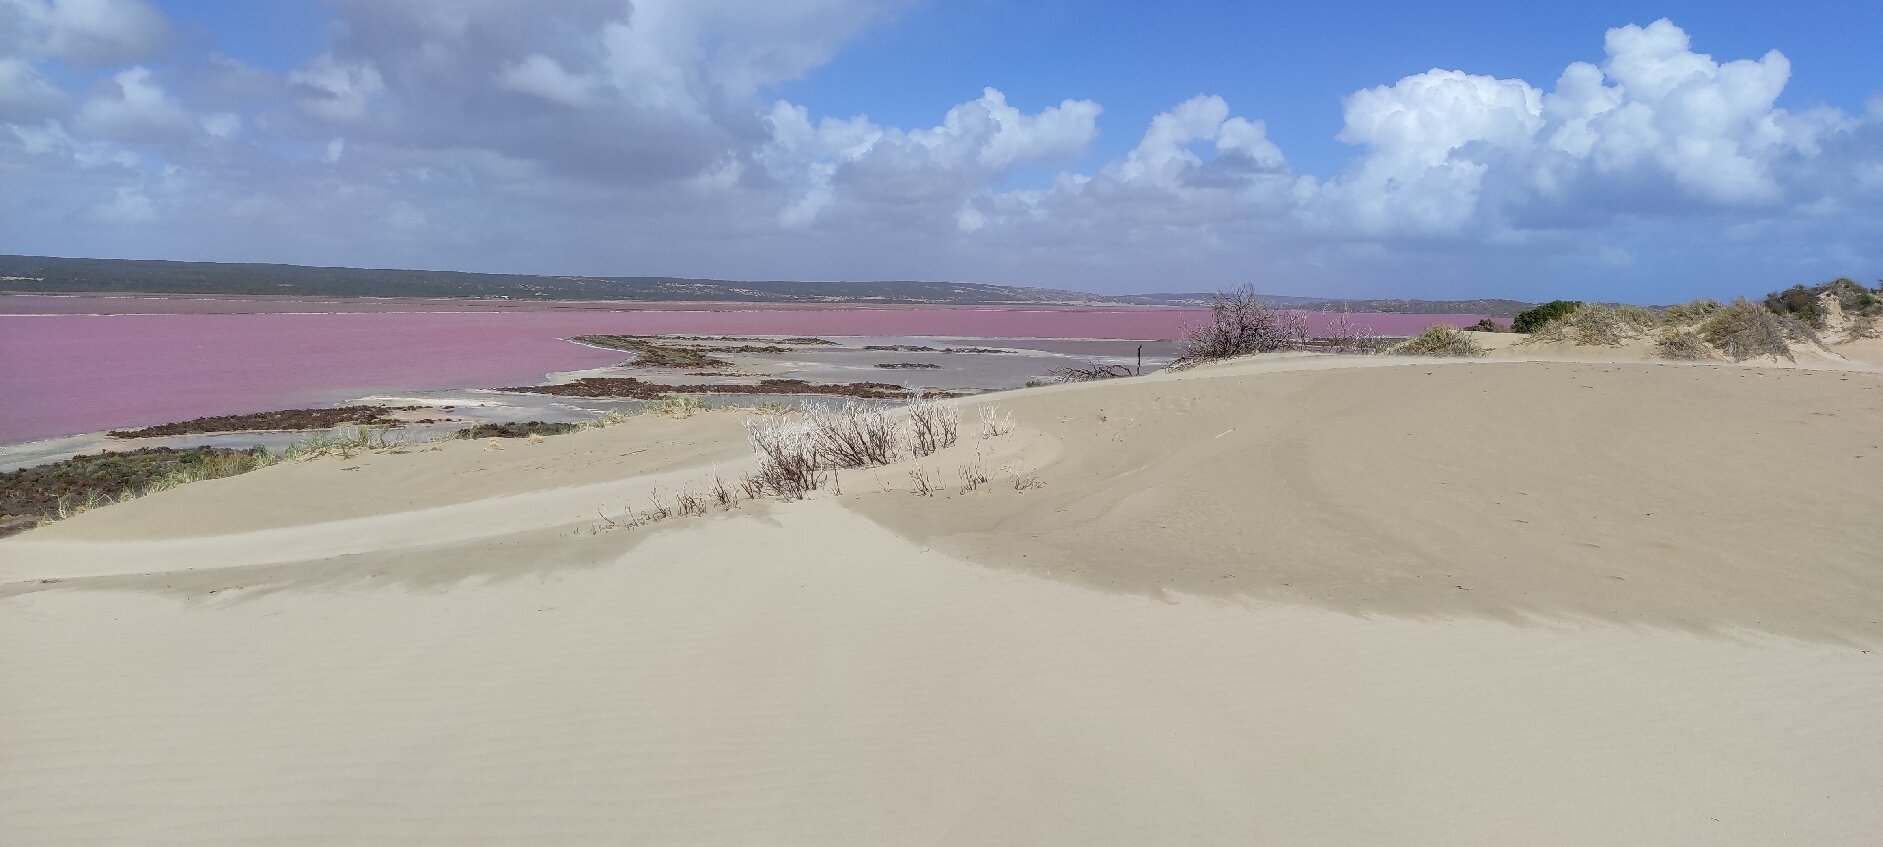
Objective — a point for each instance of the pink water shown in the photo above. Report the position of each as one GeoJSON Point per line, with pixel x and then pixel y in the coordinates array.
{"type": "Point", "coordinates": [69, 373]}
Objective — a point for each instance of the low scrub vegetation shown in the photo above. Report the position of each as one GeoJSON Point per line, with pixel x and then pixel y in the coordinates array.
{"type": "Point", "coordinates": [516, 429]}
{"type": "Point", "coordinates": [1691, 312]}
{"type": "Point", "coordinates": [286, 420]}
{"type": "Point", "coordinates": [66, 488]}
{"type": "Point", "coordinates": [1347, 337]}
{"type": "Point", "coordinates": [1241, 324]}
{"type": "Point", "coordinates": [1747, 330]}
{"type": "Point", "coordinates": [1817, 305]}
{"type": "Point", "coordinates": [1597, 325]}
{"type": "Point", "coordinates": [1682, 344]}
{"type": "Point", "coordinates": [1439, 341]}
{"type": "Point", "coordinates": [1531, 320]}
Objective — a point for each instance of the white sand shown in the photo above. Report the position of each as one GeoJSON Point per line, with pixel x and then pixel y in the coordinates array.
{"type": "Point", "coordinates": [1185, 635]}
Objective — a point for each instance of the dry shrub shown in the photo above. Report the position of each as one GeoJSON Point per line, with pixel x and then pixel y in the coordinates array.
{"type": "Point", "coordinates": [1606, 326]}
{"type": "Point", "coordinates": [677, 406]}
{"type": "Point", "coordinates": [933, 425]}
{"type": "Point", "coordinates": [1439, 341]}
{"type": "Point", "coordinates": [788, 458]}
{"type": "Point", "coordinates": [994, 422]}
{"type": "Point", "coordinates": [1682, 344]}
{"type": "Point", "coordinates": [1746, 330]}
{"type": "Point", "coordinates": [1861, 327]}
{"type": "Point", "coordinates": [1241, 324]}
{"type": "Point", "coordinates": [924, 484]}
{"type": "Point", "coordinates": [854, 435]}
{"type": "Point", "coordinates": [1691, 312]}
{"type": "Point", "coordinates": [722, 494]}
{"type": "Point", "coordinates": [1345, 336]}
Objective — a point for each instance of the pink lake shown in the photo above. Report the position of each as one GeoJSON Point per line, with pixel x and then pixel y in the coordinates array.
{"type": "Point", "coordinates": [62, 374]}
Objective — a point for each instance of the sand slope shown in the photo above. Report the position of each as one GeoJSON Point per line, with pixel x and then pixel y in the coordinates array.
{"type": "Point", "coordinates": [1283, 601]}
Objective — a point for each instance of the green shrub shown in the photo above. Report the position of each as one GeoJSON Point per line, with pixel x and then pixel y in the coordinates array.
{"type": "Point", "coordinates": [1439, 341]}
{"type": "Point", "coordinates": [1487, 325]}
{"type": "Point", "coordinates": [1809, 303]}
{"type": "Point", "coordinates": [1531, 320]}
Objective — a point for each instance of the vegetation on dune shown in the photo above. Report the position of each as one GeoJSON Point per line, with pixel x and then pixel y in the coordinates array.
{"type": "Point", "coordinates": [65, 488]}
{"type": "Point", "coordinates": [1816, 305]}
{"type": "Point", "coordinates": [516, 429]}
{"type": "Point", "coordinates": [1597, 325]}
{"type": "Point", "coordinates": [1439, 341]}
{"type": "Point", "coordinates": [1691, 312]}
{"type": "Point", "coordinates": [1487, 325]}
{"type": "Point", "coordinates": [1240, 324]}
{"type": "Point", "coordinates": [1682, 344]}
{"type": "Point", "coordinates": [1746, 330]}
{"type": "Point", "coordinates": [1531, 320]}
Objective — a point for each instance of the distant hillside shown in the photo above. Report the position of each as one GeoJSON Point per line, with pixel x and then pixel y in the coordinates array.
{"type": "Point", "coordinates": [1492, 307]}
{"type": "Point", "coordinates": [48, 275]}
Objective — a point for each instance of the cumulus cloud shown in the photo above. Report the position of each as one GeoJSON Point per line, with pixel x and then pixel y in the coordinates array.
{"type": "Point", "coordinates": [608, 136]}
{"type": "Point", "coordinates": [1656, 124]}
{"type": "Point", "coordinates": [925, 173]}
{"type": "Point", "coordinates": [132, 106]}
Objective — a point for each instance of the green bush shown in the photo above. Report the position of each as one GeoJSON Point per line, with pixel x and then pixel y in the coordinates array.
{"type": "Point", "coordinates": [1531, 320]}
{"type": "Point", "coordinates": [1439, 341]}
{"type": "Point", "coordinates": [1807, 303]}
{"type": "Point", "coordinates": [1487, 325]}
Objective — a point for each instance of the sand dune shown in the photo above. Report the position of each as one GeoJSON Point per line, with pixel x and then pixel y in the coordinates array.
{"type": "Point", "coordinates": [1299, 600]}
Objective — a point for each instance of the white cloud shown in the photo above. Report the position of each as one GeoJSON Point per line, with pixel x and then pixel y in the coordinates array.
{"type": "Point", "coordinates": [87, 32]}
{"type": "Point", "coordinates": [25, 94]}
{"type": "Point", "coordinates": [603, 136]}
{"type": "Point", "coordinates": [545, 77]}
{"type": "Point", "coordinates": [928, 172]}
{"type": "Point", "coordinates": [128, 206]}
{"type": "Point", "coordinates": [134, 107]}
{"type": "Point", "coordinates": [336, 90]}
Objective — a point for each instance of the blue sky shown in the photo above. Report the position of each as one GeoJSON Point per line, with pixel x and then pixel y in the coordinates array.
{"type": "Point", "coordinates": [1623, 151]}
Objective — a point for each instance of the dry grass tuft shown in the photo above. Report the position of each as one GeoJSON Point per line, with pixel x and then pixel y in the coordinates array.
{"type": "Point", "coordinates": [1683, 344]}
{"type": "Point", "coordinates": [1439, 340]}
{"type": "Point", "coordinates": [1747, 330]}
{"type": "Point", "coordinates": [1595, 325]}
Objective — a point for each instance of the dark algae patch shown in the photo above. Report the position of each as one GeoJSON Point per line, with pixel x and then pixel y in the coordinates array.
{"type": "Point", "coordinates": [287, 419]}
{"type": "Point", "coordinates": [917, 348]}
{"type": "Point", "coordinates": [635, 389]}
{"type": "Point", "coordinates": [514, 429]}
{"type": "Point", "coordinates": [654, 354]}
{"type": "Point", "coordinates": [908, 366]}
{"type": "Point", "coordinates": [39, 493]}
